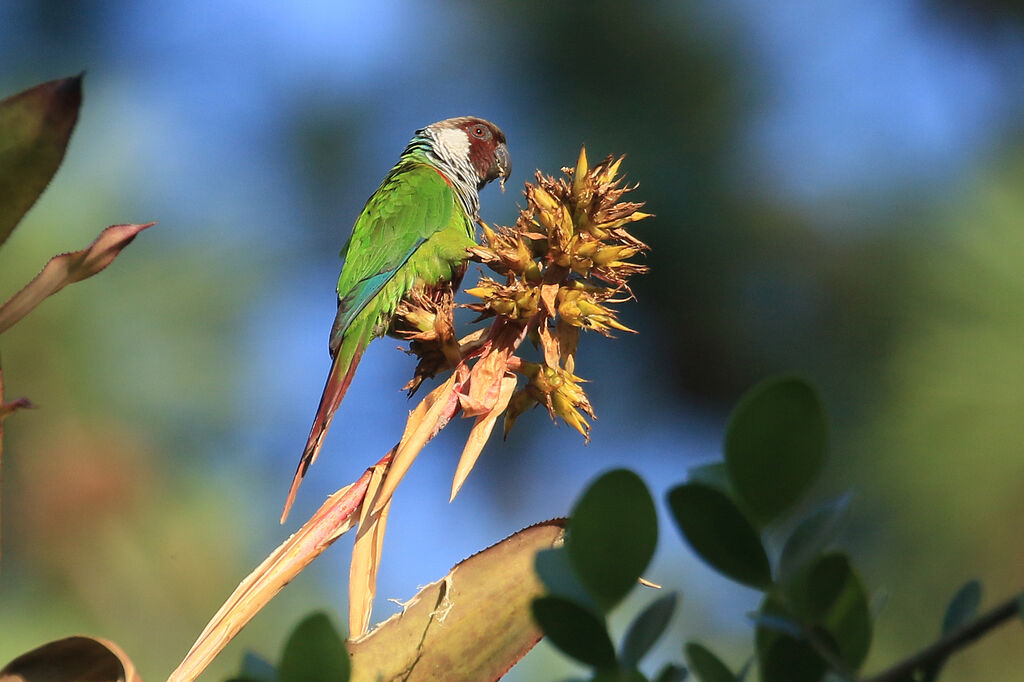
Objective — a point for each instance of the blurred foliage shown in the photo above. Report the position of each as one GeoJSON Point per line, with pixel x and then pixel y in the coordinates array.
{"type": "Point", "coordinates": [103, 535]}
{"type": "Point", "coordinates": [944, 449]}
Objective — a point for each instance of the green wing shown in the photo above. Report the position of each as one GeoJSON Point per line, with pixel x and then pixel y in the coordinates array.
{"type": "Point", "coordinates": [412, 204]}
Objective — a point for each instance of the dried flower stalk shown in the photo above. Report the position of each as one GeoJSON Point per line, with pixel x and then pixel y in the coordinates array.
{"type": "Point", "coordinates": [562, 267]}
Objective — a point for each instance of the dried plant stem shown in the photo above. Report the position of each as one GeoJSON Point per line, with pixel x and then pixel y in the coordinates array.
{"type": "Point", "coordinates": [336, 516]}
{"type": "Point", "coordinates": [5, 411]}
{"type": "Point", "coordinates": [954, 641]}
{"type": "Point", "coordinates": [564, 262]}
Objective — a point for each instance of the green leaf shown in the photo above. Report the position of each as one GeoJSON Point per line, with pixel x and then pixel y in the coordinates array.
{"type": "Point", "coordinates": [775, 445]}
{"type": "Point", "coordinates": [782, 652]}
{"type": "Point", "coordinates": [559, 578]}
{"type": "Point", "coordinates": [255, 667]}
{"type": "Point", "coordinates": [575, 630]}
{"type": "Point", "coordinates": [830, 596]}
{"type": "Point", "coordinates": [611, 535]}
{"type": "Point", "coordinates": [671, 673]}
{"type": "Point", "coordinates": [713, 475]}
{"type": "Point", "coordinates": [705, 666]}
{"type": "Point", "coordinates": [961, 610]}
{"type": "Point", "coordinates": [36, 125]}
{"type": "Point", "coordinates": [720, 534]}
{"type": "Point", "coordinates": [314, 652]}
{"type": "Point", "coordinates": [647, 628]}
{"type": "Point", "coordinates": [790, 660]}
{"type": "Point", "coordinates": [811, 536]}
{"type": "Point", "coordinates": [963, 607]}
{"type": "Point", "coordinates": [776, 622]}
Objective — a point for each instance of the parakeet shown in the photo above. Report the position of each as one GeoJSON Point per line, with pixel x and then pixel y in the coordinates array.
{"type": "Point", "coordinates": [412, 233]}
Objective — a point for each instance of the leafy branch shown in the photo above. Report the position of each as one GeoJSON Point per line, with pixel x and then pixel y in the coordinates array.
{"type": "Point", "coordinates": [814, 621]}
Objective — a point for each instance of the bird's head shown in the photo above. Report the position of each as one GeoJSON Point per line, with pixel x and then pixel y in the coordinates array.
{"type": "Point", "coordinates": [475, 142]}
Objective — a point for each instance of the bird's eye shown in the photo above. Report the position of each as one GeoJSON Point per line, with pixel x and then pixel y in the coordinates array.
{"type": "Point", "coordinates": [479, 132]}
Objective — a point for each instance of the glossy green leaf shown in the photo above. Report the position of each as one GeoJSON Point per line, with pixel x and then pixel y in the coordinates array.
{"type": "Point", "coordinates": [559, 578]}
{"type": "Point", "coordinates": [705, 666]}
{"type": "Point", "coordinates": [36, 125]}
{"type": "Point", "coordinates": [713, 474]}
{"type": "Point", "coordinates": [575, 630]}
{"type": "Point", "coordinates": [776, 622]}
{"type": "Point", "coordinates": [646, 628]}
{"type": "Point", "coordinates": [783, 654]}
{"type": "Point", "coordinates": [720, 534]}
{"type": "Point", "coordinates": [830, 595]}
{"type": "Point", "coordinates": [775, 445]}
{"type": "Point", "coordinates": [611, 535]}
{"type": "Point", "coordinates": [812, 536]}
{"type": "Point", "coordinates": [790, 660]}
{"type": "Point", "coordinates": [257, 668]}
{"type": "Point", "coordinates": [314, 652]}
{"type": "Point", "coordinates": [671, 673]}
{"type": "Point", "coordinates": [963, 607]}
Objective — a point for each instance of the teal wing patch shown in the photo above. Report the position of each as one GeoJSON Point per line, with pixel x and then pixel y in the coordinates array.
{"type": "Point", "coordinates": [351, 306]}
{"type": "Point", "coordinates": [412, 203]}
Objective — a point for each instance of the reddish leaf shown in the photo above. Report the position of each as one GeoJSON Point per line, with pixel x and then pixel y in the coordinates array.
{"type": "Point", "coordinates": [36, 125]}
{"type": "Point", "coordinates": [66, 269]}
{"type": "Point", "coordinates": [425, 421]}
{"type": "Point", "coordinates": [473, 624]}
{"type": "Point", "coordinates": [366, 553]}
{"type": "Point", "coordinates": [485, 381]}
{"type": "Point", "coordinates": [481, 432]}
{"type": "Point", "coordinates": [7, 408]}
{"type": "Point", "coordinates": [70, 659]}
{"type": "Point", "coordinates": [334, 518]}
{"type": "Point", "coordinates": [549, 344]}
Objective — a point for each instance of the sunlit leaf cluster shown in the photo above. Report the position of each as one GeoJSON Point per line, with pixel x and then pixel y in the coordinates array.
{"type": "Point", "coordinates": [814, 622]}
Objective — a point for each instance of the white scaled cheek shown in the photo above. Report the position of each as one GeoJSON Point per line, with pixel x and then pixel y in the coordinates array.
{"type": "Point", "coordinates": [453, 143]}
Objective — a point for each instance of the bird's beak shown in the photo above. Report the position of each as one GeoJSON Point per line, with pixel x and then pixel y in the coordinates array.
{"type": "Point", "coordinates": [503, 164]}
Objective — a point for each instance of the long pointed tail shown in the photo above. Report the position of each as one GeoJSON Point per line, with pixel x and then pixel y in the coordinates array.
{"type": "Point", "coordinates": [342, 370]}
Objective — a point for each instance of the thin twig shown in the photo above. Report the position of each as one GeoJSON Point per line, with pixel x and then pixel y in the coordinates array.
{"type": "Point", "coordinates": [950, 643]}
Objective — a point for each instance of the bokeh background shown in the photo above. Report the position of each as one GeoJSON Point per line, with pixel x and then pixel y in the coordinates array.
{"type": "Point", "coordinates": [839, 190]}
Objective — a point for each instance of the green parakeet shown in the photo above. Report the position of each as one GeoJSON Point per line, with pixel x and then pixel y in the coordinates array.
{"type": "Point", "coordinates": [412, 233]}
